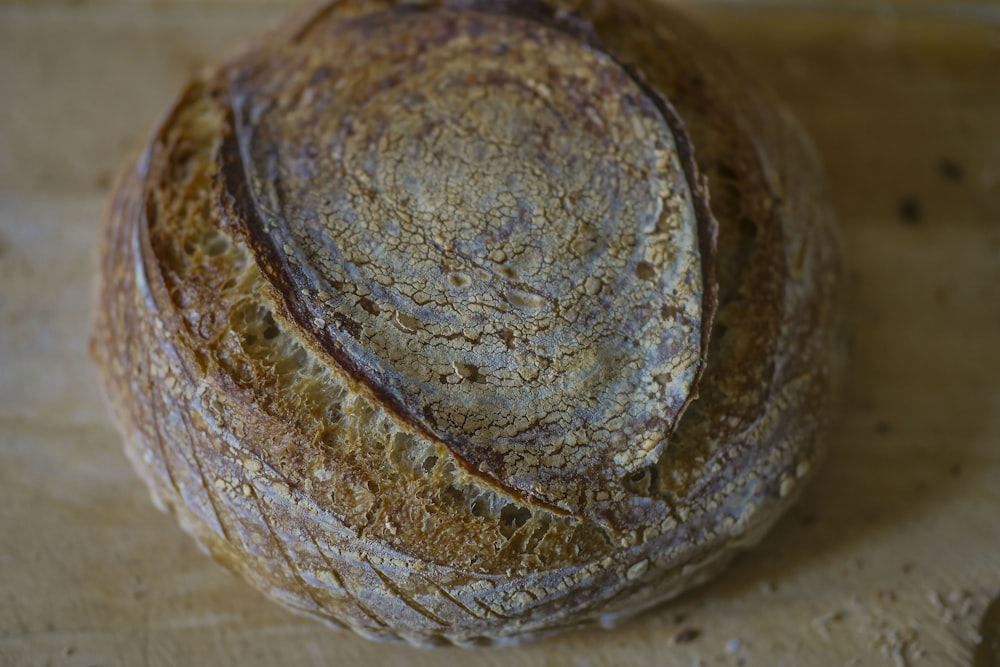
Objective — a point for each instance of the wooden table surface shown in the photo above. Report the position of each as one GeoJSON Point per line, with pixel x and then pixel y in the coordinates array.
{"type": "Point", "coordinates": [891, 557]}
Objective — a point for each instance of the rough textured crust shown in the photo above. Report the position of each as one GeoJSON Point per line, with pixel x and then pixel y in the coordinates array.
{"type": "Point", "coordinates": [262, 390]}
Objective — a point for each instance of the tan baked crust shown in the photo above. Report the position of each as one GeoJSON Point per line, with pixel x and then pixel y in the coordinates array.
{"type": "Point", "coordinates": [296, 471]}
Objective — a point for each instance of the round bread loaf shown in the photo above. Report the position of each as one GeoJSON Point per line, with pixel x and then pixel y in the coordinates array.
{"type": "Point", "coordinates": [466, 321]}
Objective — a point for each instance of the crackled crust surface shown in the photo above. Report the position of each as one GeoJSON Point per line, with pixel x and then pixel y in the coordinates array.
{"type": "Point", "coordinates": [485, 220]}
{"type": "Point", "coordinates": [431, 337]}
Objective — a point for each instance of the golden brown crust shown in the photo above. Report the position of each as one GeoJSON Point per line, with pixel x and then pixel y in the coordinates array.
{"type": "Point", "coordinates": [305, 308]}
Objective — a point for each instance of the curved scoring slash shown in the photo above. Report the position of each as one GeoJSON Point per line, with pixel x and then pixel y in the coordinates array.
{"type": "Point", "coordinates": [451, 598]}
{"type": "Point", "coordinates": [350, 596]}
{"type": "Point", "coordinates": [290, 562]}
{"type": "Point", "coordinates": [407, 600]}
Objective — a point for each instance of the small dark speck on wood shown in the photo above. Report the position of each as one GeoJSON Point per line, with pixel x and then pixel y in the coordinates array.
{"type": "Point", "coordinates": [910, 211]}
{"type": "Point", "coordinates": [103, 181]}
{"type": "Point", "coordinates": [687, 635]}
{"type": "Point", "coordinates": [950, 169]}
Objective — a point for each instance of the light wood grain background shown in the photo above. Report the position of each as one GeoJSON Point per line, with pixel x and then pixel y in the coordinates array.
{"type": "Point", "coordinates": [891, 557]}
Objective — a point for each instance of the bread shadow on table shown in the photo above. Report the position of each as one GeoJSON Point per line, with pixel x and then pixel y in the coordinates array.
{"type": "Point", "coordinates": [891, 462]}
